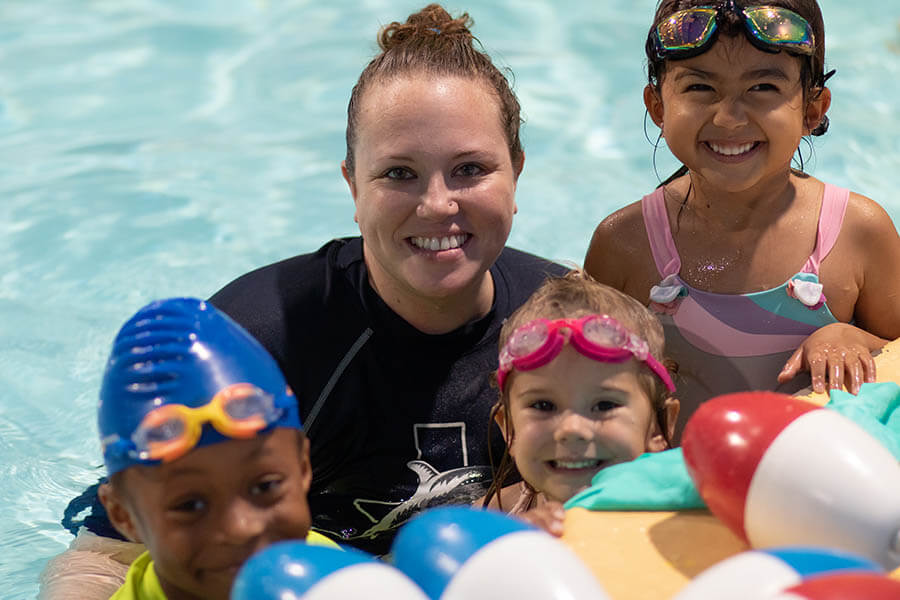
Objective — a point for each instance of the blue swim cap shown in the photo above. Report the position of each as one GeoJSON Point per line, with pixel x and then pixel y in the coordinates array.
{"type": "Point", "coordinates": [180, 351]}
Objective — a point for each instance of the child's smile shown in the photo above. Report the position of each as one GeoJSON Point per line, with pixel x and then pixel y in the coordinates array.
{"type": "Point", "coordinates": [564, 464]}
{"type": "Point", "coordinates": [732, 152]}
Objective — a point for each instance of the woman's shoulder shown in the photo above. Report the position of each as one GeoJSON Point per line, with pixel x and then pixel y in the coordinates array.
{"type": "Point", "coordinates": [290, 274]}
{"type": "Point", "coordinates": [525, 270]}
{"type": "Point", "coordinates": [266, 299]}
{"type": "Point", "coordinates": [513, 258]}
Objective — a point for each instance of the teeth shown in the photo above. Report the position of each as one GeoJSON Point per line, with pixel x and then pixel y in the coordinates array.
{"type": "Point", "coordinates": [731, 150]}
{"type": "Point", "coordinates": [576, 464]}
{"type": "Point", "coordinates": [440, 243]}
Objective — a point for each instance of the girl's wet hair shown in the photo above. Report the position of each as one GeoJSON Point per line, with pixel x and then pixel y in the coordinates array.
{"type": "Point", "coordinates": [433, 43]}
{"type": "Point", "coordinates": [571, 296]}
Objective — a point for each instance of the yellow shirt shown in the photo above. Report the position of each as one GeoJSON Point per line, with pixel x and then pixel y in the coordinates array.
{"type": "Point", "coordinates": [141, 582]}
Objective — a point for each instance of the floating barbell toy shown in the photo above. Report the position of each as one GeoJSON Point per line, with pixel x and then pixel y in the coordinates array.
{"type": "Point", "coordinates": [781, 471]}
{"type": "Point", "coordinates": [758, 574]}
{"type": "Point", "coordinates": [457, 553]}
{"type": "Point", "coordinates": [850, 586]}
{"type": "Point", "coordinates": [295, 569]}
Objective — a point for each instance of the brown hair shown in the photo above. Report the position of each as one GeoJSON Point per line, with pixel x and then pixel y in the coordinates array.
{"type": "Point", "coordinates": [434, 43]}
{"type": "Point", "coordinates": [571, 296]}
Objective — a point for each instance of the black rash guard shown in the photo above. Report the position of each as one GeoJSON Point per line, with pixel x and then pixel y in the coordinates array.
{"type": "Point", "coordinates": [398, 420]}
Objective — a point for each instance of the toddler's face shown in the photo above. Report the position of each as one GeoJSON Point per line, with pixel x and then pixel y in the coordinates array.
{"type": "Point", "coordinates": [575, 416]}
{"type": "Point", "coordinates": [204, 514]}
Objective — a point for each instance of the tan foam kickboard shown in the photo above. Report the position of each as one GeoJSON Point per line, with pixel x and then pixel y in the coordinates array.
{"type": "Point", "coordinates": [653, 555]}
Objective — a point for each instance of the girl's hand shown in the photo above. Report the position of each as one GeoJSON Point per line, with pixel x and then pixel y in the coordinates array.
{"type": "Point", "coordinates": [840, 353]}
{"type": "Point", "coordinates": [548, 516]}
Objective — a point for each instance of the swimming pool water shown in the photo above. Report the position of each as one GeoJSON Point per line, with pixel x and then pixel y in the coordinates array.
{"type": "Point", "coordinates": [152, 148]}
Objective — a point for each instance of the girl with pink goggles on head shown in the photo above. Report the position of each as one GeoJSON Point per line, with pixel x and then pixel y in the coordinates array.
{"type": "Point", "coordinates": [567, 415]}
{"type": "Point", "coordinates": [598, 337]}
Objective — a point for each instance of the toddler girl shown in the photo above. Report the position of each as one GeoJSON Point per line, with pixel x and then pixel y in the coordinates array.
{"type": "Point", "coordinates": [581, 388]}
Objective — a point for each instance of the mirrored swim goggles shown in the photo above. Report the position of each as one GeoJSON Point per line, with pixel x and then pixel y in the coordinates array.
{"type": "Point", "coordinates": [598, 337]}
{"type": "Point", "coordinates": [168, 432]}
{"type": "Point", "coordinates": [690, 32]}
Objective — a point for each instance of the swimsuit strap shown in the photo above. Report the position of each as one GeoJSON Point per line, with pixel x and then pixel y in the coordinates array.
{"type": "Point", "coordinates": [831, 217]}
{"type": "Point", "coordinates": [527, 499]}
{"type": "Point", "coordinates": [659, 233]}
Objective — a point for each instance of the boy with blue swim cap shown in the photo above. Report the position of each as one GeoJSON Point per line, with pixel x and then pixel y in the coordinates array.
{"type": "Point", "coordinates": [207, 458]}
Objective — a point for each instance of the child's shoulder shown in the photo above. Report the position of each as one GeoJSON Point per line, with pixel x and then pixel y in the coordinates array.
{"type": "Point", "coordinates": [622, 227]}
{"type": "Point", "coordinates": [867, 226]}
{"type": "Point", "coordinates": [619, 253]}
{"type": "Point", "coordinates": [865, 212]}
{"type": "Point", "coordinates": [865, 221]}
{"type": "Point", "coordinates": [626, 226]}
{"type": "Point", "coordinates": [869, 247]}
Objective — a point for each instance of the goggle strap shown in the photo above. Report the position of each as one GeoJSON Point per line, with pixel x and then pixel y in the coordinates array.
{"type": "Point", "coordinates": [660, 371]}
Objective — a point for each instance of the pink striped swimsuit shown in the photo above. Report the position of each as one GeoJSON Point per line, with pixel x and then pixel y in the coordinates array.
{"type": "Point", "coordinates": [735, 342]}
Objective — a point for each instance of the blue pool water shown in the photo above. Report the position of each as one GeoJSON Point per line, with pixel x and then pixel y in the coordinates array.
{"type": "Point", "coordinates": [152, 148]}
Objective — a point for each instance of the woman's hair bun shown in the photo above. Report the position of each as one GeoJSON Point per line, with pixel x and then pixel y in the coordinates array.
{"type": "Point", "coordinates": [431, 21]}
{"type": "Point", "coordinates": [431, 43]}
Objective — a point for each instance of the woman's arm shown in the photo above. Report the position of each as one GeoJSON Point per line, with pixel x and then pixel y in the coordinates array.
{"type": "Point", "coordinates": [92, 568]}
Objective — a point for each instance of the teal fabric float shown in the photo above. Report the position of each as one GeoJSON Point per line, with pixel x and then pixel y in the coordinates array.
{"type": "Point", "coordinates": [876, 409]}
{"type": "Point", "coordinates": [652, 481]}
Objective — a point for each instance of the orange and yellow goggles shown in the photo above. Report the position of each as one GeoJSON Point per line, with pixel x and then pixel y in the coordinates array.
{"type": "Point", "coordinates": [239, 411]}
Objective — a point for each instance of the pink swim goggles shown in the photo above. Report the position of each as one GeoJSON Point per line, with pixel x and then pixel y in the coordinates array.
{"type": "Point", "coordinates": [599, 337]}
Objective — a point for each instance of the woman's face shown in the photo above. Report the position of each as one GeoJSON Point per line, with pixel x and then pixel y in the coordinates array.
{"type": "Point", "coordinates": [434, 187]}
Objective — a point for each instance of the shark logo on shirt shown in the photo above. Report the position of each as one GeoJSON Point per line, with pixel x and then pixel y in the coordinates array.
{"type": "Point", "coordinates": [451, 485]}
{"type": "Point", "coordinates": [457, 486]}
